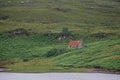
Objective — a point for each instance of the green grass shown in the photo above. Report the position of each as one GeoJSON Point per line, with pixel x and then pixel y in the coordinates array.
{"type": "Point", "coordinates": [40, 53]}
{"type": "Point", "coordinates": [26, 46]}
{"type": "Point", "coordinates": [39, 16]}
{"type": "Point", "coordinates": [43, 65]}
{"type": "Point", "coordinates": [101, 54]}
{"type": "Point", "coordinates": [97, 22]}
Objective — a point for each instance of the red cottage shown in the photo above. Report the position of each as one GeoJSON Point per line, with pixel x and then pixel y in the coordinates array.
{"type": "Point", "coordinates": [75, 44]}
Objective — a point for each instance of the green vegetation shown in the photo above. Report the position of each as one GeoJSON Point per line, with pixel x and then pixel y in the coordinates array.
{"type": "Point", "coordinates": [54, 52]}
{"type": "Point", "coordinates": [101, 54]}
{"type": "Point", "coordinates": [41, 53]}
{"type": "Point", "coordinates": [37, 47]}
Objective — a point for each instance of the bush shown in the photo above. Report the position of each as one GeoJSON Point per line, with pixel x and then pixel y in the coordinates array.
{"type": "Point", "coordinates": [103, 35]}
{"type": "Point", "coordinates": [66, 32]}
{"type": "Point", "coordinates": [99, 35]}
{"type": "Point", "coordinates": [25, 59]}
{"type": "Point", "coordinates": [4, 17]}
{"type": "Point", "coordinates": [62, 9]}
{"type": "Point", "coordinates": [55, 52]}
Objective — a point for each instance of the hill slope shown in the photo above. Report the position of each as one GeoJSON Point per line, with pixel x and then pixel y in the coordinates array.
{"type": "Point", "coordinates": [40, 15]}
{"type": "Point", "coordinates": [97, 22]}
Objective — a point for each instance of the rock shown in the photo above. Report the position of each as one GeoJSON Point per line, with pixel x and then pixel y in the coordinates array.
{"type": "Point", "coordinates": [4, 69]}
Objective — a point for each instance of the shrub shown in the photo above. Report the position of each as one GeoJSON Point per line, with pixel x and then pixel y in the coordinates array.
{"type": "Point", "coordinates": [99, 35]}
{"type": "Point", "coordinates": [4, 17]}
{"type": "Point", "coordinates": [55, 52]}
{"type": "Point", "coordinates": [66, 32]}
{"type": "Point", "coordinates": [102, 35]}
{"type": "Point", "coordinates": [62, 9]}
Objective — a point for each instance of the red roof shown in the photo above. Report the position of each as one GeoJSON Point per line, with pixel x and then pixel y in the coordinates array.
{"type": "Point", "coordinates": [74, 43]}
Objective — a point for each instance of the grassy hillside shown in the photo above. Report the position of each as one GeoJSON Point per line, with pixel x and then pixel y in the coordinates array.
{"type": "Point", "coordinates": [40, 15]}
{"type": "Point", "coordinates": [40, 53]}
{"type": "Point", "coordinates": [99, 54]}
{"type": "Point", "coordinates": [97, 22]}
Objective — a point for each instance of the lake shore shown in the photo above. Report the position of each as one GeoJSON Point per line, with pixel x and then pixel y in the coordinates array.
{"type": "Point", "coordinates": [93, 70]}
{"type": "Point", "coordinates": [4, 70]}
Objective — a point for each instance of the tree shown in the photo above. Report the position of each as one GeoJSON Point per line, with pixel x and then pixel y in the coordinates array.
{"type": "Point", "coordinates": [66, 32]}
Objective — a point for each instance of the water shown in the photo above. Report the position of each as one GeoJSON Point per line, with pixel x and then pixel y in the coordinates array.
{"type": "Point", "coordinates": [57, 76]}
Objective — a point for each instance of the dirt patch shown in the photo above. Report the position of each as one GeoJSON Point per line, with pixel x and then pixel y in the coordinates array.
{"type": "Point", "coordinates": [3, 69]}
{"type": "Point", "coordinates": [94, 70]}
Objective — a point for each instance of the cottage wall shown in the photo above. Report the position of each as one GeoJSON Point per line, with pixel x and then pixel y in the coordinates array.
{"type": "Point", "coordinates": [75, 44]}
